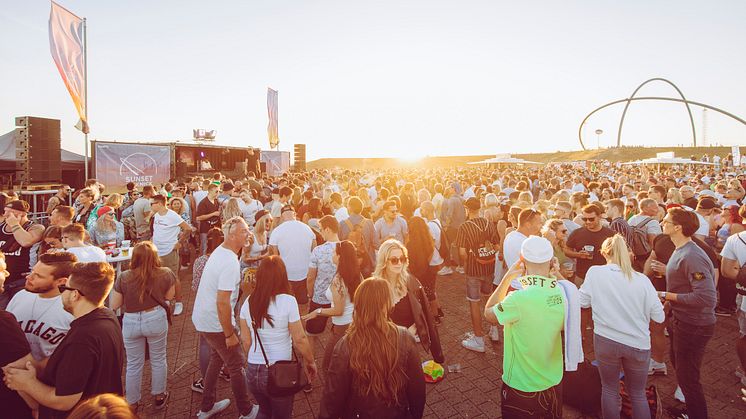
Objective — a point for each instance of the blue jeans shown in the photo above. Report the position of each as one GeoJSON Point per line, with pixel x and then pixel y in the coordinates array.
{"type": "Point", "coordinates": [613, 356]}
{"type": "Point", "coordinates": [687, 350]}
{"type": "Point", "coordinates": [138, 328]}
{"type": "Point", "coordinates": [269, 407]}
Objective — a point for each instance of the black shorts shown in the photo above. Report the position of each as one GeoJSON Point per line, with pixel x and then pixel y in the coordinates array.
{"type": "Point", "coordinates": [300, 291]}
{"type": "Point", "coordinates": [316, 325]}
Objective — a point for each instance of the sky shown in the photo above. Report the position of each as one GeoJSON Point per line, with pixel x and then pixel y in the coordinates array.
{"type": "Point", "coordinates": [385, 78]}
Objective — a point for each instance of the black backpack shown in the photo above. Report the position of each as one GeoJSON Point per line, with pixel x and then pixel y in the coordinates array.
{"type": "Point", "coordinates": [639, 243]}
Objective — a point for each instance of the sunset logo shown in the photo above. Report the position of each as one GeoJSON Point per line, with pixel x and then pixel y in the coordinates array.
{"type": "Point", "coordinates": [138, 164]}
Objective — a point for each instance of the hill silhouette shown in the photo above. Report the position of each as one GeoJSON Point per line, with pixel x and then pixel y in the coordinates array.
{"type": "Point", "coordinates": [622, 154]}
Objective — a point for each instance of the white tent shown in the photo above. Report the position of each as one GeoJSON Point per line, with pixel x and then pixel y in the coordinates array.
{"type": "Point", "coordinates": [504, 160]}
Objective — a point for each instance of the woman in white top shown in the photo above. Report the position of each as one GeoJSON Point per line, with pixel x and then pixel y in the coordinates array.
{"type": "Point", "coordinates": [623, 303]}
{"type": "Point", "coordinates": [271, 314]}
{"type": "Point", "coordinates": [341, 292]}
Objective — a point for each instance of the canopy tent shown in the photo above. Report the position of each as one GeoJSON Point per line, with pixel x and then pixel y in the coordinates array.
{"type": "Point", "coordinates": [504, 160]}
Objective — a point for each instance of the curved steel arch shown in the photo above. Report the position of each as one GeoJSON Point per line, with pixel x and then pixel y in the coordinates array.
{"type": "Point", "coordinates": [624, 113]}
{"type": "Point", "coordinates": [670, 99]}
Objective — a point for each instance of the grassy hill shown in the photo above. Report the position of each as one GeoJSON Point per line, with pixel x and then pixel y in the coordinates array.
{"type": "Point", "coordinates": [612, 154]}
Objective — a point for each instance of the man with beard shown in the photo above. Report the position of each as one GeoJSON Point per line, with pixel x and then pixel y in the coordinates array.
{"type": "Point", "coordinates": [38, 308]}
{"type": "Point", "coordinates": [89, 360]}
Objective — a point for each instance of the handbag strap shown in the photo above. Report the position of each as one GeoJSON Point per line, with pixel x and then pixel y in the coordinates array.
{"type": "Point", "coordinates": [264, 354]}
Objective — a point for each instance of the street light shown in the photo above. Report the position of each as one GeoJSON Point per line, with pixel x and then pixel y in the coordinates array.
{"type": "Point", "coordinates": [598, 138]}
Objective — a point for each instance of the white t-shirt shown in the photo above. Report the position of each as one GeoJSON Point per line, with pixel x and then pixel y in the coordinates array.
{"type": "Point", "coordinates": [346, 317]}
{"type": "Point", "coordinates": [622, 308]}
{"type": "Point", "coordinates": [512, 247]}
{"type": "Point", "coordinates": [276, 339]}
{"type": "Point", "coordinates": [512, 252]}
{"type": "Point", "coordinates": [704, 226]}
{"type": "Point", "coordinates": [166, 231]}
{"type": "Point", "coordinates": [341, 214]}
{"type": "Point", "coordinates": [88, 254]}
{"type": "Point", "coordinates": [222, 273]}
{"type": "Point", "coordinates": [293, 240]}
{"type": "Point", "coordinates": [249, 210]}
{"type": "Point", "coordinates": [43, 320]}
{"type": "Point", "coordinates": [734, 249]}
{"type": "Point", "coordinates": [435, 231]}
{"type": "Point", "coordinates": [652, 226]}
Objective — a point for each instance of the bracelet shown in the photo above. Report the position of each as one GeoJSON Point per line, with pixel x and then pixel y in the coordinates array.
{"type": "Point", "coordinates": [15, 228]}
{"type": "Point", "coordinates": [230, 336]}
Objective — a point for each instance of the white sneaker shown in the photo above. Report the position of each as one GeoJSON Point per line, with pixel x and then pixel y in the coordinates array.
{"type": "Point", "coordinates": [473, 343]}
{"type": "Point", "coordinates": [446, 270]}
{"type": "Point", "coordinates": [657, 368]}
{"type": "Point", "coordinates": [252, 413]}
{"type": "Point", "coordinates": [460, 269]}
{"type": "Point", "coordinates": [494, 334]}
{"type": "Point", "coordinates": [178, 309]}
{"type": "Point", "coordinates": [216, 408]}
{"type": "Point", "coordinates": [679, 395]}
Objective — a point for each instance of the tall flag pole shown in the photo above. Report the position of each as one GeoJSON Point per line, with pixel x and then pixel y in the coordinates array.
{"type": "Point", "coordinates": [67, 42]}
{"type": "Point", "coordinates": [272, 132]}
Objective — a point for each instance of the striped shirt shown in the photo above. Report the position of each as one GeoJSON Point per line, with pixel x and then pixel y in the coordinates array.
{"type": "Point", "coordinates": [471, 235]}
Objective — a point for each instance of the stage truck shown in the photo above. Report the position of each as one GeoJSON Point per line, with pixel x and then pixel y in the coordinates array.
{"type": "Point", "coordinates": [116, 163]}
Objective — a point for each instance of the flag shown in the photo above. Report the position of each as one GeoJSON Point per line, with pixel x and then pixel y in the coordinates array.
{"type": "Point", "coordinates": [274, 138]}
{"type": "Point", "coordinates": [66, 44]}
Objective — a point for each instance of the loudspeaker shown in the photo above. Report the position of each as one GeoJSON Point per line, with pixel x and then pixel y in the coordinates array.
{"type": "Point", "coordinates": [299, 158]}
{"type": "Point", "coordinates": [38, 150]}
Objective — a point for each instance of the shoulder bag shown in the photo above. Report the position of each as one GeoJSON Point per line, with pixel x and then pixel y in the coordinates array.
{"type": "Point", "coordinates": [285, 377]}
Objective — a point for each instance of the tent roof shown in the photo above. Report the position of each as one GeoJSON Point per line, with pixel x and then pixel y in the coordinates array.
{"type": "Point", "coordinates": [8, 152]}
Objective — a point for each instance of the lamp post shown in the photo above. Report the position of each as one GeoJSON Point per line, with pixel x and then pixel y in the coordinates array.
{"type": "Point", "coordinates": [598, 138]}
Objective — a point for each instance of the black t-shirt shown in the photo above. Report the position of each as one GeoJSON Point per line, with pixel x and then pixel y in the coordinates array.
{"type": "Point", "coordinates": [13, 346]}
{"type": "Point", "coordinates": [206, 207]}
{"type": "Point", "coordinates": [583, 237]}
{"type": "Point", "coordinates": [89, 360]}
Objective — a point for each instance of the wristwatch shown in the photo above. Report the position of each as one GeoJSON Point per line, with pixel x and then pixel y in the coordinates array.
{"type": "Point", "coordinates": [662, 295]}
{"type": "Point", "coordinates": [318, 311]}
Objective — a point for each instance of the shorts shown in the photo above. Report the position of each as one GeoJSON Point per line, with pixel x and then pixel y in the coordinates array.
{"type": "Point", "coordinates": [477, 286]}
{"type": "Point", "coordinates": [300, 291]}
{"type": "Point", "coordinates": [171, 261]}
{"type": "Point", "coordinates": [316, 326]}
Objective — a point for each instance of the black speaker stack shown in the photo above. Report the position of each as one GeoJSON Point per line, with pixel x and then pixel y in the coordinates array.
{"type": "Point", "coordinates": [38, 150]}
{"type": "Point", "coordinates": [299, 158]}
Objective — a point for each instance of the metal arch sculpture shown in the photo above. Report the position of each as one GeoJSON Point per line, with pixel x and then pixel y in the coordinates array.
{"type": "Point", "coordinates": [626, 106]}
{"type": "Point", "coordinates": [687, 102]}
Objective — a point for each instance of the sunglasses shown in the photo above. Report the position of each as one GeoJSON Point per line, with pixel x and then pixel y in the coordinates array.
{"type": "Point", "coordinates": [588, 219]}
{"type": "Point", "coordinates": [397, 260]}
{"type": "Point", "coordinates": [563, 231]}
{"type": "Point", "coordinates": [63, 288]}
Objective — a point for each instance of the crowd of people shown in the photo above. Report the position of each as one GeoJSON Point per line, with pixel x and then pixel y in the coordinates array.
{"type": "Point", "coordinates": [645, 259]}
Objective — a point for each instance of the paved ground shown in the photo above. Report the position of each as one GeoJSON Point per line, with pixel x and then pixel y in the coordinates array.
{"type": "Point", "coordinates": [471, 393]}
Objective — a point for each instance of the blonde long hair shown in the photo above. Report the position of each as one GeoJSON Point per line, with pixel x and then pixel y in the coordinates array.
{"type": "Point", "coordinates": [373, 341]}
{"type": "Point", "coordinates": [615, 250]}
{"type": "Point", "coordinates": [232, 209]}
{"type": "Point", "coordinates": [398, 285]}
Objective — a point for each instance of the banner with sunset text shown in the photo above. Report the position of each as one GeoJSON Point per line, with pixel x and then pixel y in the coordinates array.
{"type": "Point", "coordinates": [66, 44]}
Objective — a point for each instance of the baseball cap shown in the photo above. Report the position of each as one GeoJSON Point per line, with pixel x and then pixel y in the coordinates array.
{"type": "Point", "coordinates": [103, 210]}
{"type": "Point", "coordinates": [287, 208]}
{"type": "Point", "coordinates": [473, 203]}
{"type": "Point", "coordinates": [18, 205]}
{"type": "Point", "coordinates": [537, 249]}
{"type": "Point", "coordinates": [707, 203]}
{"type": "Point", "coordinates": [259, 214]}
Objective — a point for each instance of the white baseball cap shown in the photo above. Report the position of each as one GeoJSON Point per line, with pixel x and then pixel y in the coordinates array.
{"type": "Point", "coordinates": [537, 249]}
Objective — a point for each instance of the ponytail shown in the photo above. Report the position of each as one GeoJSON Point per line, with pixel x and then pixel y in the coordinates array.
{"type": "Point", "coordinates": [615, 248]}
